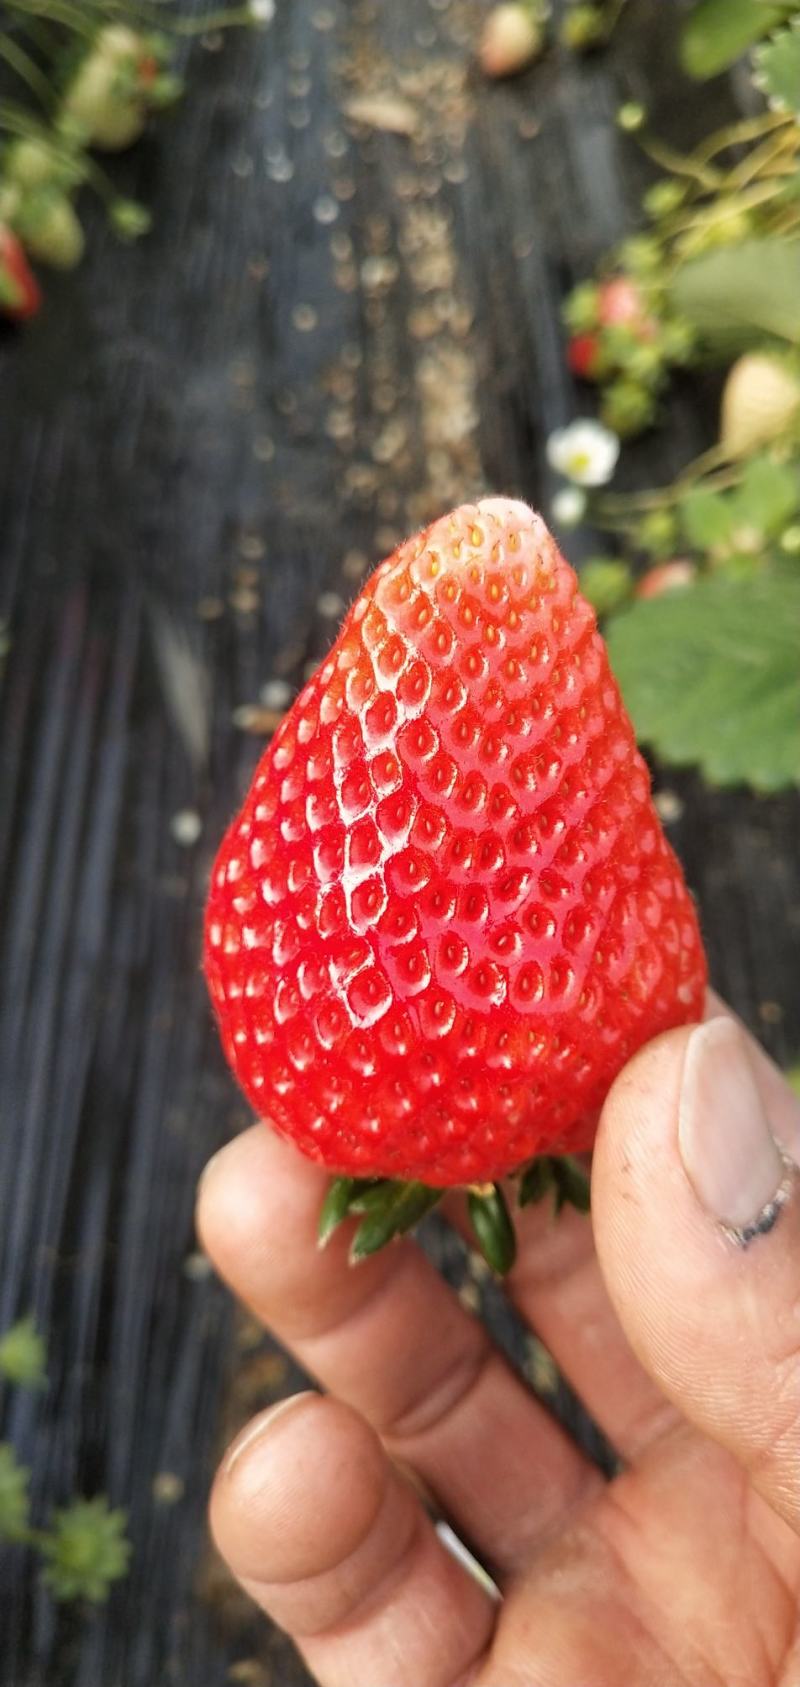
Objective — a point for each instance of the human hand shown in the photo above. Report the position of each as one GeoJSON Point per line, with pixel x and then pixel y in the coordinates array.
{"type": "Point", "coordinates": [681, 1336]}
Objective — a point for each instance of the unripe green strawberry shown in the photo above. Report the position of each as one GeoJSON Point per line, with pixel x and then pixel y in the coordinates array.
{"type": "Point", "coordinates": [51, 230]}
{"type": "Point", "coordinates": [31, 163]}
{"type": "Point", "coordinates": [760, 402]}
{"type": "Point", "coordinates": [627, 408]}
{"type": "Point", "coordinates": [105, 97]}
{"type": "Point", "coordinates": [583, 28]}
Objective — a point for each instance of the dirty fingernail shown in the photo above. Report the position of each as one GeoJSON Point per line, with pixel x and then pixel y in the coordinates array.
{"type": "Point", "coordinates": [729, 1153]}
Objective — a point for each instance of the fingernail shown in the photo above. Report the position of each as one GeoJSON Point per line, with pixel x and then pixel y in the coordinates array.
{"type": "Point", "coordinates": [262, 1425]}
{"type": "Point", "coordinates": [729, 1153]}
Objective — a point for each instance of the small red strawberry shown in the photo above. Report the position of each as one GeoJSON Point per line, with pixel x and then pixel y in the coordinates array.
{"type": "Point", "coordinates": [20, 293]}
{"type": "Point", "coordinates": [584, 354]}
{"type": "Point", "coordinates": [666, 577]}
{"type": "Point", "coordinates": [621, 304]}
{"type": "Point", "coordinates": [447, 914]}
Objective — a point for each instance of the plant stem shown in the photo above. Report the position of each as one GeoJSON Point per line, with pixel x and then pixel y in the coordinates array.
{"type": "Point", "coordinates": [735, 134]}
{"type": "Point", "coordinates": [212, 21]}
{"type": "Point", "coordinates": [681, 164]}
{"type": "Point", "coordinates": [59, 11]}
{"type": "Point", "coordinates": [713, 464]}
{"type": "Point", "coordinates": [27, 70]}
{"type": "Point", "coordinates": [708, 216]}
{"type": "Point", "coordinates": [757, 161]}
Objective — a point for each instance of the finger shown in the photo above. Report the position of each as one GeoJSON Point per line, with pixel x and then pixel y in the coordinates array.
{"type": "Point", "coordinates": [697, 1220]}
{"type": "Point", "coordinates": [325, 1535]}
{"type": "Point", "coordinates": [781, 1104]}
{"type": "Point", "coordinates": [559, 1290]}
{"type": "Point", "coordinates": [392, 1339]}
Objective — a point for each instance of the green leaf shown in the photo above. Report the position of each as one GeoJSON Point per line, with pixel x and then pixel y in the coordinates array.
{"type": "Point", "coordinates": [14, 1479]}
{"type": "Point", "coordinates": [493, 1229]}
{"type": "Point", "coordinates": [572, 1184]}
{"type": "Point", "coordinates": [705, 519]}
{"type": "Point", "coordinates": [536, 1181]}
{"type": "Point", "coordinates": [777, 69]}
{"type": "Point", "coordinates": [711, 676]}
{"type": "Point", "coordinates": [767, 498]}
{"type": "Point", "coordinates": [400, 1207]}
{"type": "Point", "coordinates": [85, 1550]}
{"type": "Point", "coordinates": [22, 1355]}
{"type": "Point", "coordinates": [558, 1174]}
{"type": "Point", "coordinates": [717, 32]}
{"type": "Point", "coordinates": [729, 294]}
{"type": "Point", "coordinates": [335, 1207]}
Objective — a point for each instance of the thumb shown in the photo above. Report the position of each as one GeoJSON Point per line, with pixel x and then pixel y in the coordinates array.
{"type": "Point", "coordinates": [697, 1216]}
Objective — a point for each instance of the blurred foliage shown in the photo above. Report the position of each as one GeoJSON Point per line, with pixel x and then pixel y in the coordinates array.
{"type": "Point", "coordinates": [700, 586]}
{"type": "Point", "coordinates": [83, 1549]}
{"type": "Point", "coordinates": [82, 78]}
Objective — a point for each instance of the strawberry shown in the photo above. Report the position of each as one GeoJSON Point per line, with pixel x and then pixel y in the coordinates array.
{"type": "Point", "coordinates": [108, 96]}
{"type": "Point", "coordinates": [512, 38]}
{"type": "Point", "coordinates": [584, 354]}
{"type": "Point", "coordinates": [447, 914]}
{"type": "Point", "coordinates": [621, 304]}
{"type": "Point", "coordinates": [51, 229]}
{"type": "Point", "coordinates": [20, 294]}
{"type": "Point", "coordinates": [760, 401]}
{"type": "Point", "coordinates": [666, 577]}
{"type": "Point", "coordinates": [620, 301]}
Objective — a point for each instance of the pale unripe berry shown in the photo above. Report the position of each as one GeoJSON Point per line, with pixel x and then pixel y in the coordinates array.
{"type": "Point", "coordinates": [512, 38]}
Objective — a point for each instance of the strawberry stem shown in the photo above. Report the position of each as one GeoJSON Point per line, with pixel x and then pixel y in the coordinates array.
{"type": "Point", "coordinates": [390, 1215]}
{"type": "Point", "coordinates": [494, 1231]}
{"type": "Point", "coordinates": [388, 1207]}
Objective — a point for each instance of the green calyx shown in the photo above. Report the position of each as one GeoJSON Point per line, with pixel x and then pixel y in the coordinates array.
{"type": "Point", "coordinates": [386, 1208]}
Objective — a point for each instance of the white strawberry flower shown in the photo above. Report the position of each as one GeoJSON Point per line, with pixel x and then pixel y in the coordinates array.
{"type": "Point", "coordinates": [569, 506]}
{"type": "Point", "coordinates": [262, 11]}
{"type": "Point", "coordinates": [585, 453]}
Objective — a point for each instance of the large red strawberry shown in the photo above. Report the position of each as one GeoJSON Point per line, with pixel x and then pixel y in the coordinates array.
{"type": "Point", "coordinates": [447, 915]}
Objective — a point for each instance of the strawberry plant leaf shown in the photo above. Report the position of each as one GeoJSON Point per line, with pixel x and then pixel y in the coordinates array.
{"type": "Point", "coordinates": [22, 1355]}
{"type": "Point", "coordinates": [85, 1550]}
{"type": "Point", "coordinates": [14, 1512]}
{"type": "Point", "coordinates": [493, 1229]}
{"type": "Point", "coordinates": [768, 497]}
{"type": "Point", "coordinates": [717, 32]}
{"type": "Point", "coordinates": [777, 69]}
{"type": "Point", "coordinates": [729, 293]}
{"type": "Point", "coordinates": [705, 519]}
{"type": "Point", "coordinates": [711, 676]}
